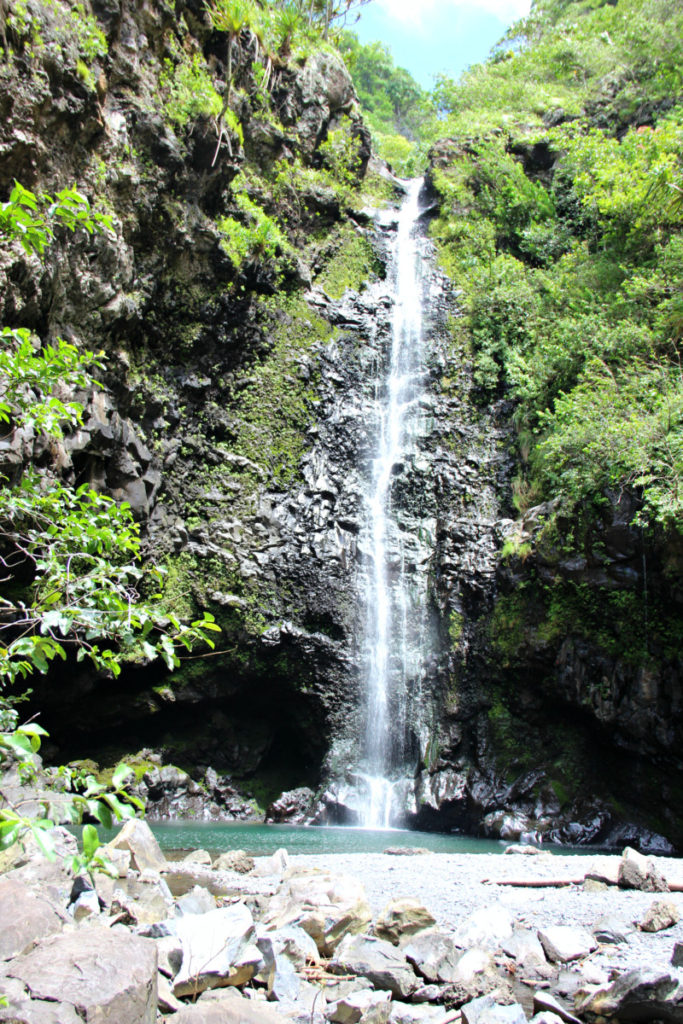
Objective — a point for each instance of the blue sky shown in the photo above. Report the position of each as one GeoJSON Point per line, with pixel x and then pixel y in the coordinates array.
{"type": "Point", "coordinates": [431, 36]}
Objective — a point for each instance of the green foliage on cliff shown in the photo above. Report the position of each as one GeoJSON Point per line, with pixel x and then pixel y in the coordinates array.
{"type": "Point", "coordinates": [567, 243]}
{"type": "Point", "coordinates": [72, 576]}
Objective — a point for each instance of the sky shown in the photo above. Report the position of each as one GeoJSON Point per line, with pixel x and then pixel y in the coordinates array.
{"type": "Point", "coordinates": [432, 36]}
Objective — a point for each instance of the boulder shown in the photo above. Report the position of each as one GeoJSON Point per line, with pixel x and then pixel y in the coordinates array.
{"type": "Point", "coordinates": [433, 954]}
{"type": "Point", "coordinates": [524, 947]}
{"type": "Point", "coordinates": [107, 976]}
{"type": "Point", "coordinates": [276, 864]}
{"type": "Point", "coordinates": [32, 918]}
{"type": "Point", "coordinates": [640, 995]}
{"type": "Point", "coordinates": [325, 905]}
{"type": "Point", "coordinates": [293, 806]}
{"type": "Point", "coordinates": [378, 961]}
{"type": "Point", "coordinates": [405, 1013]}
{"type": "Point", "coordinates": [197, 857]}
{"type": "Point", "coordinates": [218, 949]}
{"type": "Point", "coordinates": [545, 1003]}
{"type": "Point", "coordinates": [401, 918]}
{"type": "Point", "coordinates": [562, 943]}
{"type": "Point", "coordinates": [485, 1010]}
{"type": "Point", "coordinates": [137, 837]}
{"type": "Point", "coordinates": [234, 860]}
{"type": "Point", "coordinates": [38, 1011]}
{"type": "Point", "coordinates": [354, 1007]}
{"type": "Point", "coordinates": [660, 915]}
{"type": "Point", "coordinates": [639, 872]}
{"type": "Point", "coordinates": [134, 900]}
{"type": "Point", "coordinates": [229, 1010]}
{"type": "Point", "coordinates": [611, 930]}
{"type": "Point", "coordinates": [197, 901]}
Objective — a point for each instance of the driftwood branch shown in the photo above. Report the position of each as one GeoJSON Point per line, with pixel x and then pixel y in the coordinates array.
{"type": "Point", "coordinates": [559, 883]}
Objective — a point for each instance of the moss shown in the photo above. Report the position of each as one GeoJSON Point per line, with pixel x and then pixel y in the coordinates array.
{"type": "Point", "coordinates": [349, 263]}
{"type": "Point", "coordinates": [456, 623]}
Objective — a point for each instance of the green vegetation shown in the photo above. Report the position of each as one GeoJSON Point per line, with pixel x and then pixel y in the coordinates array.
{"type": "Point", "coordinates": [394, 105]}
{"type": "Point", "coordinates": [566, 242]}
{"type": "Point", "coordinates": [350, 262]}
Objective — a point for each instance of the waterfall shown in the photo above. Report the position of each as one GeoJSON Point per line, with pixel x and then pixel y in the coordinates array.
{"type": "Point", "coordinates": [395, 604]}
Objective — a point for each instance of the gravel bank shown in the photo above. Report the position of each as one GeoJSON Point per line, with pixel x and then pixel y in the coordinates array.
{"type": "Point", "coordinates": [452, 886]}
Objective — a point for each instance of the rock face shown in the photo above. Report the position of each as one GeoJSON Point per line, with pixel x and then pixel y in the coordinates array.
{"type": "Point", "coordinates": [111, 979]}
{"type": "Point", "coordinates": [238, 421]}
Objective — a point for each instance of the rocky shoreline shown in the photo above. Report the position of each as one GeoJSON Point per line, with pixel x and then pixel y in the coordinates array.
{"type": "Point", "coordinates": [369, 938]}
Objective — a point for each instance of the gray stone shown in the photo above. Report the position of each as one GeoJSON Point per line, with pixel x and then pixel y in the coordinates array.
{"type": "Point", "coordinates": [234, 860]}
{"type": "Point", "coordinates": [641, 995]}
{"type": "Point", "coordinates": [38, 1011]}
{"type": "Point", "coordinates": [485, 1010]}
{"type": "Point", "coordinates": [677, 955]}
{"type": "Point", "coordinates": [433, 954]}
{"type": "Point", "coordinates": [284, 981]}
{"type": "Point", "coordinates": [226, 1010]}
{"type": "Point", "coordinates": [137, 837]}
{"type": "Point", "coordinates": [197, 901]}
{"type": "Point", "coordinates": [327, 906]}
{"type": "Point", "coordinates": [32, 918]}
{"type": "Point", "coordinates": [276, 865]}
{"type": "Point", "coordinates": [108, 976]}
{"type": "Point", "coordinates": [405, 1013]}
{"type": "Point", "coordinates": [524, 947]}
{"type": "Point", "coordinates": [197, 857]}
{"type": "Point", "coordinates": [610, 930]}
{"type": "Point", "coordinates": [378, 961]}
{"type": "Point", "coordinates": [169, 954]}
{"type": "Point", "coordinates": [660, 915]}
{"type": "Point", "coordinates": [400, 918]}
{"type": "Point", "coordinates": [87, 905]}
{"type": "Point", "coordinates": [544, 1002]}
{"type": "Point", "coordinates": [563, 943]}
{"type": "Point", "coordinates": [639, 872]}
{"type": "Point", "coordinates": [217, 949]}
{"type": "Point", "coordinates": [353, 1008]}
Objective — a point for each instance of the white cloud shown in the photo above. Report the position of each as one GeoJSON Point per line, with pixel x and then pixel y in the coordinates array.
{"type": "Point", "coordinates": [418, 13]}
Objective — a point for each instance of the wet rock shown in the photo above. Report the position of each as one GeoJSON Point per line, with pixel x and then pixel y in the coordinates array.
{"type": "Point", "coordinates": [218, 949]}
{"type": "Point", "coordinates": [641, 995]}
{"type": "Point", "coordinates": [485, 1010]}
{"type": "Point", "coordinates": [138, 839]}
{"type": "Point", "coordinates": [327, 906]}
{"type": "Point", "coordinates": [293, 806]}
{"type": "Point", "coordinates": [660, 915]}
{"type": "Point", "coordinates": [378, 961]}
{"type": "Point", "coordinates": [639, 872]}
{"type": "Point", "coordinates": [234, 860]}
{"type": "Point", "coordinates": [401, 918]}
{"type": "Point", "coordinates": [355, 1007]}
{"type": "Point", "coordinates": [563, 943]}
{"type": "Point", "coordinates": [434, 955]}
{"type": "Point", "coordinates": [32, 918]}
{"type": "Point", "coordinates": [107, 976]}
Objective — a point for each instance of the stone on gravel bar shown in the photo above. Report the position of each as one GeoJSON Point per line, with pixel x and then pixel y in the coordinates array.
{"type": "Point", "coordinates": [234, 860]}
{"type": "Point", "coordinates": [526, 851]}
{"type": "Point", "coordinates": [640, 995]}
{"type": "Point", "coordinates": [108, 976]}
{"type": "Point", "coordinates": [401, 918]}
{"type": "Point", "coordinates": [327, 906]}
{"type": "Point", "coordinates": [485, 1010]}
{"type": "Point", "coordinates": [677, 955]}
{"type": "Point", "coordinates": [276, 864]}
{"type": "Point", "coordinates": [197, 857]}
{"type": "Point", "coordinates": [31, 918]}
{"type": "Point", "coordinates": [660, 915]}
{"type": "Point", "coordinates": [352, 1008]}
{"type": "Point", "coordinates": [610, 930]}
{"type": "Point", "coordinates": [639, 872]}
{"type": "Point", "coordinates": [406, 851]}
{"type": "Point", "coordinates": [563, 943]}
{"type": "Point", "coordinates": [433, 954]}
{"type": "Point", "coordinates": [378, 961]}
{"type": "Point", "coordinates": [217, 949]}
{"type": "Point", "coordinates": [524, 947]}
{"type": "Point", "coordinates": [137, 837]}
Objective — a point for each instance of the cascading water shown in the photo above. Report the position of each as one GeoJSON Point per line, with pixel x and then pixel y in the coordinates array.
{"type": "Point", "coordinates": [395, 603]}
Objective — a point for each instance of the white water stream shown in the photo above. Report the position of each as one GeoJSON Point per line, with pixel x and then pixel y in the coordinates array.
{"type": "Point", "coordinates": [393, 656]}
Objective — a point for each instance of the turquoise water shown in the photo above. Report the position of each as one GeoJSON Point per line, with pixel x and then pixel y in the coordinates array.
{"type": "Point", "coordinates": [261, 840]}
